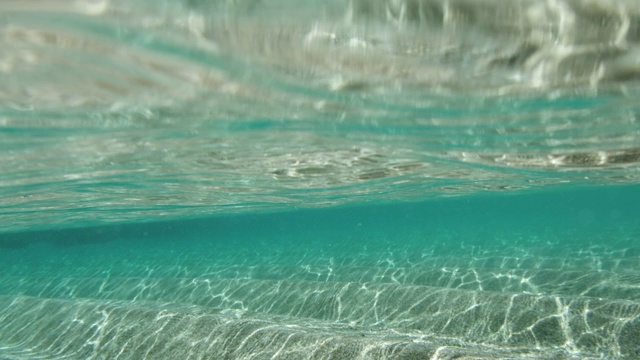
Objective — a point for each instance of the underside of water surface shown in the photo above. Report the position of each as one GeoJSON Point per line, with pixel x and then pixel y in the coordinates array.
{"type": "Point", "coordinates": [360, 179]}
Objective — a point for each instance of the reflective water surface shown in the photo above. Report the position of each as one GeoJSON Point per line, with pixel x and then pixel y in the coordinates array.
{"type": "Point", "coordinates": [116, 110]}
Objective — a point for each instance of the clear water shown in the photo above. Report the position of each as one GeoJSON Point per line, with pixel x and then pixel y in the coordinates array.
{"type": "Point", "coordinates": [401, 179]}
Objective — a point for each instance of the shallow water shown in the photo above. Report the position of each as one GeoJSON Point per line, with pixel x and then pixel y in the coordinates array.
{"type": "Point", "coordinates": [336, 180]}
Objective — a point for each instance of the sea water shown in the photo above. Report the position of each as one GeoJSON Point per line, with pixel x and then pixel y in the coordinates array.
{"type": "Point", "coordinates": [276, 179]}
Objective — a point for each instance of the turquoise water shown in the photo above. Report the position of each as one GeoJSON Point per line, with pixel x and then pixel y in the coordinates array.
{"type": "Point", "coordinates": [413, 179]}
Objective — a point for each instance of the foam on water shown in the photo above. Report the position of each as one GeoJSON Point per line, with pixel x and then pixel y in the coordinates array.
{"type": "Point", "coordinates": [249, 179]}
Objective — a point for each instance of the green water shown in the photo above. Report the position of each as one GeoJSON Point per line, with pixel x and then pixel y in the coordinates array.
{"type": "Point", "coordinates": [531, 275]}
{"type": "Point", "coordinates": [361, 179]}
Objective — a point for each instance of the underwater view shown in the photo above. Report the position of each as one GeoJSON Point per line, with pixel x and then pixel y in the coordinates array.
{"type": "Point", "coordinates": [319, 179]}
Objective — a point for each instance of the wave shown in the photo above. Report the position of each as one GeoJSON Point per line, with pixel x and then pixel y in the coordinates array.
{"type": "Point", "coordinates": [493, 46]}
{"type": "Point", "coordinates": [245, 104]}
